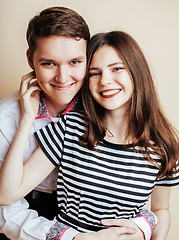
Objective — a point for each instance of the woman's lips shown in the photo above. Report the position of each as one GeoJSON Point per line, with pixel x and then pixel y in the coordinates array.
{"type": "Point", "coordinates": [110, 93]}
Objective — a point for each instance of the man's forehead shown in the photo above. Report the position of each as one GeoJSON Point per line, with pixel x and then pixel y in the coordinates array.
{"type": "Point", "coordinates": [52, 47]}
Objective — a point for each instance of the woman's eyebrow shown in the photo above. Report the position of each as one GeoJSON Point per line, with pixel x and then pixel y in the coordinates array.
{"type": "Point", "coordinates": [113, 64]}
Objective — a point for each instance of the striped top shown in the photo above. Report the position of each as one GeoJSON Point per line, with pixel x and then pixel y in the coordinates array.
{"type": "Point", "coordinates": [114, 181]}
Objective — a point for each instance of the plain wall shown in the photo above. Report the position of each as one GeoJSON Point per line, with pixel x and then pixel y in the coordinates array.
{"type": "Point", "coordinates": [154, 24]}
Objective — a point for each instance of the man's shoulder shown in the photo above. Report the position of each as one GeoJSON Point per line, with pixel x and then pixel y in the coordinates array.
{"type": "Point", "coordinates": [10, 104]}
{"type": "Point", "coordinates": [10, 113]}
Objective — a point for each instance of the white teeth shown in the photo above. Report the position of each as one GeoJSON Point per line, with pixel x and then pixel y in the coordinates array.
{"type": "Point", "coordinates": [111, 92]}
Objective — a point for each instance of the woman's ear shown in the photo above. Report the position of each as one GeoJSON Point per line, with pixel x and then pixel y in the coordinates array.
{"type": "Point", "coordinates": [29, 59]}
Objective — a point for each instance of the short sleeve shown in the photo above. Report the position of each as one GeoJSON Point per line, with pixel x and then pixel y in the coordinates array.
{"type": "Point", "coordinates": [169, 182]}
{"type": "Point", "coordinates": [51, 139]}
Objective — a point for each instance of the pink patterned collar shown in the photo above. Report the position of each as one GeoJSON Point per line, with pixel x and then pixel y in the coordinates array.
{"type": "Point", "coordinates": [43, 111]}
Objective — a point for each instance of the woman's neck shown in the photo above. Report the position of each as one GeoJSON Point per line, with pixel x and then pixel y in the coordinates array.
{"type": "Point", "coordinates": [116, 128]}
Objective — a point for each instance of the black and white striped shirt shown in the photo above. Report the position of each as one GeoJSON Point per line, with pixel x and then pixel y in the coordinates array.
{"type": "Point", "coordinates": [114, 181]}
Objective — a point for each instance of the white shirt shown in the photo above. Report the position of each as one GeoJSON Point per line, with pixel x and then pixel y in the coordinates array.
{"type": "Point", "coordinates": [17, 221]}
{"type": "Point", "coordinates": [9, 121]}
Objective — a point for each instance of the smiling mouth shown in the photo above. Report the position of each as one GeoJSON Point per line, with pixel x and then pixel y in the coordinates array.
{"type": "Point", "coordinates": [110, 93]}
{"type": "Point", "coordinates": [62, 88]}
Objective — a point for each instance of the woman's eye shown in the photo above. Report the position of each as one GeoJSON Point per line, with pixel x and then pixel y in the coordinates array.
{"type": "Point", "coordinates": [94, 74]}
{"type": "Point", "coordinates": [117, 69]}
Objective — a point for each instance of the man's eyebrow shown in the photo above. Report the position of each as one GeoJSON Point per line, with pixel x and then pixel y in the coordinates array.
{"type": "Point", "coordinates": [82, 58]}
{"type": "Point", "coordinates": [45, 60]}
{"type": "Point", "coordinates": [78, 58]}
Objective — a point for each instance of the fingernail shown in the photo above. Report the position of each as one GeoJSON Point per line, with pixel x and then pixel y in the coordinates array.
{"type": "Point", "coordinates": [103, 222]}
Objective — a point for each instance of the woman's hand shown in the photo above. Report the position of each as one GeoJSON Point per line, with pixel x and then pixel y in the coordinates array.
{"type": "Point", "coordinates": [29, 96]}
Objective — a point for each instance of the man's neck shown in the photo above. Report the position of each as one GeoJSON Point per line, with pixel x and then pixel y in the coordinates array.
{"type": "Point", "coordinates": [54, 108]}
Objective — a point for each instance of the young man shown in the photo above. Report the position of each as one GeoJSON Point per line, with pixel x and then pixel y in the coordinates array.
{"type": "Point", "coordinates": [57, 40]}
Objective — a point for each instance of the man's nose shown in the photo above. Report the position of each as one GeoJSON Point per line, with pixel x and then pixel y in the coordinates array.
{"type": "Point", "coordinates": [61, 75]}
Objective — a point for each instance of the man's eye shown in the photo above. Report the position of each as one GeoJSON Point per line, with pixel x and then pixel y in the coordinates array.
{"type": "Point", "coordinates": [47, 64]}
{"type": "Point", "coordinates": [74, 62]}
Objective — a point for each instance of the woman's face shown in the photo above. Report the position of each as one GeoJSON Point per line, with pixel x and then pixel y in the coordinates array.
{"type": "Point", "coordinates": [110, 83]}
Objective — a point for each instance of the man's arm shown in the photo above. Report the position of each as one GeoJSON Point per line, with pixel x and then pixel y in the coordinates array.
{"type": "Point", "coordinates": [143, 223]}
{"type": "Point", "coordinates": [138, 228]}
{"type": "Point", "coordinates": [17, 221]}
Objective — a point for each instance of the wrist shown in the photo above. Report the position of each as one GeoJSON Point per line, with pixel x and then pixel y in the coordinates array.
{"type": "Point", "coordinates": [81, 236]}
{"type": "Point", "coordinates": [26, 120]}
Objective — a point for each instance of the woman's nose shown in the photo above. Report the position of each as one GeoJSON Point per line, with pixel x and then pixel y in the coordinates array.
{"type": "Point", "coordinates": [106, 78]}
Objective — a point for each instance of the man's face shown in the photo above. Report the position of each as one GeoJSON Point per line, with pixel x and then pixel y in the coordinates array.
{"type": "Point", "coordinates": [60, 66]}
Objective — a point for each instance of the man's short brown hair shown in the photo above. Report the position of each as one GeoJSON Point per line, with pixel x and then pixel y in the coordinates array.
{"type": "Point", "coordinates": [56, 21]}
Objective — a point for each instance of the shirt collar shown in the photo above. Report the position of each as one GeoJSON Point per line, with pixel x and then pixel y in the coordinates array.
{"type": "Point", "coordinates": [43, 111]}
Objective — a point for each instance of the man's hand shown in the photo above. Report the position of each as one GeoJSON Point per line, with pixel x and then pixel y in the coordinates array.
{"type": "Point", "coordinates": [112, 233]}
{"type": "Point", "coordinates": [125, 224]}
{"type": "Point", "coordinates": [29, 95]}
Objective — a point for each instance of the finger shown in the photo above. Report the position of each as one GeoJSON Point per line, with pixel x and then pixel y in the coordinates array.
{"type": "Point", "coordinates": [130, 237]}
{"type": "Point", "coordinates": [116, 222]}
{"type": "Point", "coordinates": [123, 230]}
{"type": "Point", "coordinates": [33, 83]}
{"type": "Point", "coordinates": [25, 81]}
{"type": "Point", "coordinates": [31, 91]}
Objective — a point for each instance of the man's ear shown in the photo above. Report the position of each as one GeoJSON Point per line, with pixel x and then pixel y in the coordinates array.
{"type": "Point", "coordinates": [29, 59]}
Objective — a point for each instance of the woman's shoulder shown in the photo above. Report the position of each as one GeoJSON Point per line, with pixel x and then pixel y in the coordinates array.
{"type": "Point", "coordinates": [75, 115]}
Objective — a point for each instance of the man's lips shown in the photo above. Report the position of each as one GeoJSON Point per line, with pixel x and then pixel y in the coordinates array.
{"type": "Point", "coordinates": [62, 87]}
{"type": "Point", "coordinates": [110, 93]}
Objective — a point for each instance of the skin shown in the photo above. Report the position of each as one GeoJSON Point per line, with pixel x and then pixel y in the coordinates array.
{"type": "Point", "coordinates": [59, 64]}
{"type": "Point", "coordinates": [62, 79]}
{"type": "Point", "coordinates": [110, 82]}
{"type": "Point", "coordinates": [107, 75]}
{"type": "Point", "coordinates": [111, 86]}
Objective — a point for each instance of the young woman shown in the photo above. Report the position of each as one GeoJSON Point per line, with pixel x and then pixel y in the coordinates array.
{"type": "Point", "coordinates": [112, 158]}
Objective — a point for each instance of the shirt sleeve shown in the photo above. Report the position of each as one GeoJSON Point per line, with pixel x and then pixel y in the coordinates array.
{"type": "Point", "coordinates": [146, 221]}
{"type": "Point", "coordinates": [51, 139]}
{"type": "Point", "coordinates": [169, 182]}
{"type": "Point", "coordinates": [19, 222]}
{"type": "Point", "coordinates": [7, 133]}
{"type": "Point", "coordinates": [61, 231]}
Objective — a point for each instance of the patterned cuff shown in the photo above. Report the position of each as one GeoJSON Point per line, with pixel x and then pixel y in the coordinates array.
{"type": "Point", "coordinates": [149, 216]}
{"type": "Point", "coordinates": [56, 231]}
{"type": "Point", "coordinates": [69, 234]}
{"type": "Point", "coordinates": [146, 221]}
{"type": "Point", "coordinates": [60, 231]}
{"type": "Point", "coordinates": [144, 226]}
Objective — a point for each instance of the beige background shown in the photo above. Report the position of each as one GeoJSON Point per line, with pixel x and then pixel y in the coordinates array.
{"type": "Point", "coordinates": [153, 23]}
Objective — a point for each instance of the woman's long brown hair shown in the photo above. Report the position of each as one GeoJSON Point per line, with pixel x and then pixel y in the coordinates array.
{"type": "Point", "coordinates": [146, 122]}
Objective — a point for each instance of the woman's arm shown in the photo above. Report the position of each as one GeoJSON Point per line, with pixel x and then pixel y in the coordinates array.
{"type": "Point", "coordinates": [160, 206]}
